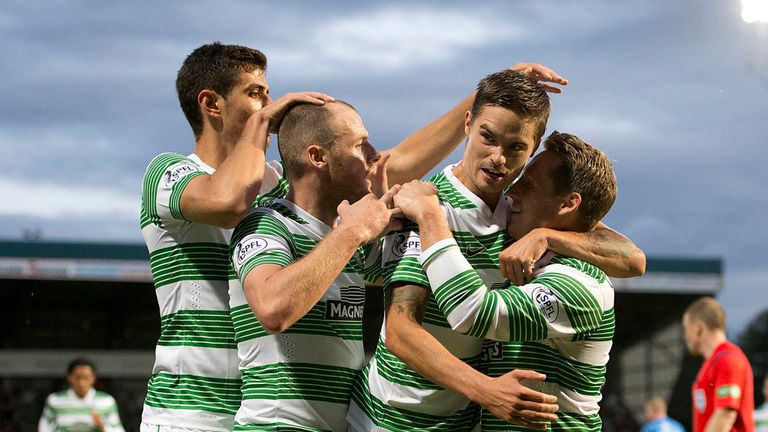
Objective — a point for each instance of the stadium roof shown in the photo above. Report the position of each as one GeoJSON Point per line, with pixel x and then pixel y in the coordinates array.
{"type": "Point", "coordinates": [130, 262]}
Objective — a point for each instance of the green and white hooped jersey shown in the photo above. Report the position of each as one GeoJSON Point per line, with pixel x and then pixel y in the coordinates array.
{"type": "Point", "coordinates": [299, 379]}
{"type": "Point", "coordinates": [391, 396]}
{"type": "Point", "coordinates": [195, 381]}
{"type": "Point", "coordinates": [561, 324]}
{"type": "Point", "coordinates": [65, 412]}
{"type": "Point", "coordinates": [761, 418]}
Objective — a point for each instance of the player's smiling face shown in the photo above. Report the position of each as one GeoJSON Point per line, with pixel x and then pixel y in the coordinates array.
{"type": "Point", "coordinates": [498, 144]}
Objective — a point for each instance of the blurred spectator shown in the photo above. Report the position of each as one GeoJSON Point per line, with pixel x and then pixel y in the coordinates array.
{"type": "Point", "coordinates": [81, 408]}
{"type": "Point", "coordinates": [723, 392]}
{"type": "Point", "coordinates": [658, 421]}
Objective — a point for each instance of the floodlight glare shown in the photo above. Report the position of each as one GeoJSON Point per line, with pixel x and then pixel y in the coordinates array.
{"type": "Point", "coordinates": [754, 10]}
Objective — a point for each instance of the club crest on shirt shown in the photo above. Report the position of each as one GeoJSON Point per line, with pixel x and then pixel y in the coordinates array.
{"type": "Point", "coordinates": [403, 245]}
{"type": "Point", "coordinates": [249, 247]}
{"type": "Point", "coordinates": [349, 308]}
{"type": "Point", "coordinates": [700, 400]}
{"type": "Point", "coordinates": [547, 302]}
{"type": "Point", "coordinates": [173, 174]}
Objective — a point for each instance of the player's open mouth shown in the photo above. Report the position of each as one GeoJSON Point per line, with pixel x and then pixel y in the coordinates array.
{"type": "Point", "coordinates": [492, 174]}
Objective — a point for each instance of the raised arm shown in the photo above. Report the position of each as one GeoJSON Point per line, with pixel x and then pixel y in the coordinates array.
{"type": "Point", "coordinates": [280, 295]}
{"type": "Point", "coordinates": [467, 303]}
{"type": "Point", "coordinates": [603, 247]}
{"type": "Point", "coordinates": [224, 197]}
{"type": "Point", "coordinates": [416, 155]}
{"type": "Point", "coordinates": [504, 396]}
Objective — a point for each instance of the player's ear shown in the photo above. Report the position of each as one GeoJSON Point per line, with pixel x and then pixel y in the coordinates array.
{"type": "Point", "coordinates": [467, 122]}
{"type": "Point", "coordinates": [317, 157]}
{"type": "Point", "coordinates": [570, 204]}
{"type": "Point", "coordinates": [210, 103]}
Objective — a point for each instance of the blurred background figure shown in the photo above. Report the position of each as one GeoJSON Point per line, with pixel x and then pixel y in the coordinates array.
{"type": "Point", "coordinates": [761, 412]}
{"type": "Point", "coordinates": [81, 408]}
{"type": "Point", "coordinates": [657, 419]}
{"type": "Point", "coordinates": [723, 392]}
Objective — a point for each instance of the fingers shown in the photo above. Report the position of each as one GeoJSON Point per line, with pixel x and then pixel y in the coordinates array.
{"type": "Point", "coordinates": [528, 271]}
{"type": "Point", "coordinates": [315, 98]}
{"type": "Point", "coordinates": [379, 181]}
{"type": "Point", "coordinates": [397, 213]}
{"type": "Point", "coordinates": [388, 197]}
{"type": "Point", "coordinates": [525, 374]}
{"type": "Point", "coordinates": [541, 74]}
{"type": "Point", "coordinates": [517, 273]}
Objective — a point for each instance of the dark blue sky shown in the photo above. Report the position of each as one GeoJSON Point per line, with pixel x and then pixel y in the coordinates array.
{"type": "Point", "coordinates": [673, 91]}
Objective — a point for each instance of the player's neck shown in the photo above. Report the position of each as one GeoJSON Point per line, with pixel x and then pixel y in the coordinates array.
{"type": "Point", "coordinates": [711, 343]}
{"type": "Point", "coordinates": [310, 198]}
{"type": "Point", "coordinates": [213, 148]}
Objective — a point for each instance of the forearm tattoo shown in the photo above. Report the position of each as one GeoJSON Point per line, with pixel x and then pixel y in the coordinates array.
{"type": "Point", "coordinates": [408, 300]}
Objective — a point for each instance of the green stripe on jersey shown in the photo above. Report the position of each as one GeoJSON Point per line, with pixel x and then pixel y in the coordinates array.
{"type": "Point", "coordinates": [174, 203]}
{"type": "Point", "coordinates": [190, 261]}
{"type": "Point", "coordinates": [449, 194]}
{"type": "Point", "coordinates": [566, 422]}
{"type": "Point", "coordinates": [300, 381]}
{"type": "Point", "coordinates": [276, 427]}
{"type": "Point", "coordinates": [584, 267]}
{"type": "Point", "coordinates": [248, 327]}
{"type": "Point", "coordinates": [190, 392]}
{"type": "Point", "coordinates": [583, 310]}
{"type": "Point", "coordinates": [579, 377]}
{"type": "Point", "coordinates": [157, 167]}
{"type": "Point", "coordinates": [604, 333]}
{"type": "Point", "coordinates": [206, 329]}
{"type": "Point", "coordinates": [396, 419]}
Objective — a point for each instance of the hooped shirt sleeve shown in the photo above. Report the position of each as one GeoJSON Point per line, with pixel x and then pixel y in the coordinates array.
{"type": "Point", "coordinates": [260, 238]}
{"type": "Point", "coordinates": [400, 258]}
{"type": "Point", "coordinates": [729, 379]}
{"type": "Point", "coordinates": [372, 270]}
{"type": "Point", "coordinates": [164, 181]}
{"type": "Point", "coordinates": [47, 421]}
{"type": "Point", "coordinates": [550, 306]}
{"type": "Point", "coordinates": [112, 418]}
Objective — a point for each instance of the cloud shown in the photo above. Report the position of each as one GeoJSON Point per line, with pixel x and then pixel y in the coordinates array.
{"type": "Point", "coordinates": [393, 38]}
{"type": "Point", "coordinates": [57, 201]}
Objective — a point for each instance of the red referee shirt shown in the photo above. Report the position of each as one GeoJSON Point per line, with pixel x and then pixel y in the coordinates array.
{"type": "Point", "coordinates": [724, 381]}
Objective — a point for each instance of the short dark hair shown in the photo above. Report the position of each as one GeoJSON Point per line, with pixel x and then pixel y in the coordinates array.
{"type": "Point", "coordinates": [302, 125]}
{"type": "Point", "coordinates": [708, 311]}
{"type": "Point", "coordinates": [516, 92]}
{"type": "Point", "coordinates": [216, 67]}
{"type": "Point", "coordinates": [80, 361]}
{"type": "Point", "coordinates": [586, 170]}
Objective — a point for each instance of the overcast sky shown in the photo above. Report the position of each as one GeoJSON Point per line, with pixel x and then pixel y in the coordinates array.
{"type": "Point", "coordinates": [673, 91]}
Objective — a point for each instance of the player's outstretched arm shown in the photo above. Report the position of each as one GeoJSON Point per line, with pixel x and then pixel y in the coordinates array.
{"type": "Point", "coordinates": [423, 150]}
{"type": "Point", "coordinates": [280, 296]}
{"type": "Point", "coordinates": [504, 396]}
{"type": "Point", "coordinates": [603, 247]}
{"type": "Point", "coordinates": [224, 197]}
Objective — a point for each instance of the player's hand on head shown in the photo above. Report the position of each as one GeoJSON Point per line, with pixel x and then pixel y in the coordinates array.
{"type": "Point", "coordinates": [508, 399]}
{"type": "Point", "coordinates": [416, 198]}
{"type": "Point", "coordinates": [542, 75]}
{"type": "Point", "coordinates": [274, 111]}
{"type": "Point", "coordinates": [516, 262]}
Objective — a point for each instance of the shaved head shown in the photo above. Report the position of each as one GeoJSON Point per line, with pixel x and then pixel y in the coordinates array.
{"type": "Point", "coordinates": [304, 125]}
